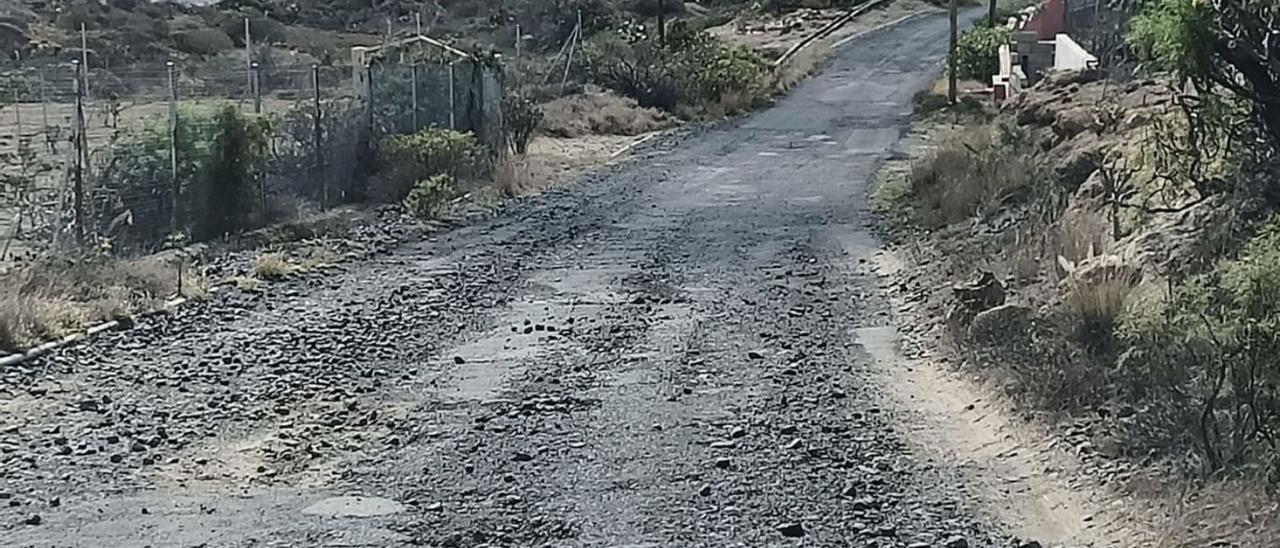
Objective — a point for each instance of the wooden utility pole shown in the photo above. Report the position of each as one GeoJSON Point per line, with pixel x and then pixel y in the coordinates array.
{"type": "Point", "coordinates": [951, 55]}
{"type": "Point", "coordinates": [991, 14]}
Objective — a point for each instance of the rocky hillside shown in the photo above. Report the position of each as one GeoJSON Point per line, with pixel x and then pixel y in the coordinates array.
{"type": "Point", "coordinates": [1071, 250]}
{"type": "Point", "coordinates": [121, 32]}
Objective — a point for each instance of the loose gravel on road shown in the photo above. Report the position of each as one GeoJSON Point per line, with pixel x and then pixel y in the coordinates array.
{"type": "Point", "coordinates": [662, 354]}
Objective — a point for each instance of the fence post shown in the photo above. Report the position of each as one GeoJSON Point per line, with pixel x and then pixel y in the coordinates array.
{"type": "Point", "coordinates": [175, 186]}
{"type": "Point", "coordinates": [316, 136]}
{"type": "Point", "coordinates": [414, 95]}
{"type": "Point", "coordinates": [84, 60]}
{"type": "Point", "coordinates": [248, 55]}
{"type": "Point", "coordinates": [78, 174]}
{"type": "Point", "coordinates": [17, 120]}
{"type": "Point", "coordinates": [662, 22]}
{"type": "Point", "coordinates": [576, 38]}
{"type": "Point", "coordinates": [257, 88]}
{"type": "Point", "coordinates": [453, 124]}
{"type": "Point", "coordinates": [369, 99]}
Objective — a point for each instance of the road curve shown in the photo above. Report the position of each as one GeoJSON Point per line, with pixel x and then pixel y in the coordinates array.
{"type": "Point", "coordinates": [659, 355]}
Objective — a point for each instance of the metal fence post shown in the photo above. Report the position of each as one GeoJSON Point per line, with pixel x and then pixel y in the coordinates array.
{"type": "Point", "coordinates": [175, 186]}
{"type": "Point", "coordinates": [316, 136]}
{"type": "Point", "coordinates": [17, 120]}
{"type": "Point", "coordinates": [257, 88]}
{"type": "Point", "coordinates": [84, 59]}
{"type": "Point", "coordinates": [369, 99]}
{"type": "Point", "coordinates": [248, 55]}
{"type": "Point", "coordinates": [414, 95]}
{"type": "Point", "coordinates": [78, 174]}
{"type": "Point", "coordinates": [453, 124]}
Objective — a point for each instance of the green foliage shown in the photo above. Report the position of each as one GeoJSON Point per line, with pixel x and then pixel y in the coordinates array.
{"type": "Point", "coordinates": [407, 159]}
{"type": "Point", "coordinates": [522, 118]}
{"type": "Point", "coordinates": [430, 197]}
{"type": "Point", "coordinates": [238, 152]}
{"type": "Point", "coordinates": [694, 68]}
{"type": "Point", "coordinates": [977, 53]}
{"type": "Point", "coordinates": [220, 153]}
{"type": "Point", "coordinates": [204, 41]}
{"type": "Point", "coordinates": [1211, 345]}
{"type": "Point", "coordinates": [1175, 36]}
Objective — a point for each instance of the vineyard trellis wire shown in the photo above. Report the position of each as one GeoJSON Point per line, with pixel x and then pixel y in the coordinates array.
{"type": "Point", "coordinates": [198, 151]}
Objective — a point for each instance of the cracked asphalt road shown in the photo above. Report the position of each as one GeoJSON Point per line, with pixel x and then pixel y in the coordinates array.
{"type": "Point", "coordinates": [660, 355]}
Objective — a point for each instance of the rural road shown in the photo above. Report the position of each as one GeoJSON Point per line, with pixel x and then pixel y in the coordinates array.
{"type": "Point", "coordinates": [663, 354]}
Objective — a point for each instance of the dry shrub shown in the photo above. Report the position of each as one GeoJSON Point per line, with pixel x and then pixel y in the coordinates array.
{"type": "Point", "coordinates": [1082, 234]}
{"type": "Point", "coordinates": [56, 296]}
{"type": "Point", "coordinates": [968, 174]}
{"type": "Point", "coordinates": [273, 266]}
{"type": "Point", "coordinates": [519, 175]}
{"type": "Point", "coordinates": [1098, 301]}
{"type": "Point", "coordinates": [595, 112]}
{"type": "Point", "coordinates": [800, 66]}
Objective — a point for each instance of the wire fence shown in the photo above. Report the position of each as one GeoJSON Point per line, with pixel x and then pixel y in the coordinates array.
{"type": "Point", "coordinates": [134, 157]}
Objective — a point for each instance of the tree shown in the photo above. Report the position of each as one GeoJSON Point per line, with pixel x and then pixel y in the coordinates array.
{"type": "Point", "coordinates": [1218, 44]}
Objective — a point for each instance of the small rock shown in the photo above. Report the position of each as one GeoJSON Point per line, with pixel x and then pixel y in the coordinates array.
{"type": "Point", "coordinates": [724, 463]}
{"type": "Point", "coordinates": [755, 355]}
{"type": "Point", "coordinates": [956, 542]}
{"type": "Point", "coordinates": [791, 530]}
{"type": "Point", "coordinates": [522, 457]}
{"type": "Point", "coordinates": [705, 490]}
{"type": "Point", "coordinates": [33, 519]}
{"type": "Point", "coordinates": [738, 432]}
{"type": "Point", "coordinates": [459, 360]}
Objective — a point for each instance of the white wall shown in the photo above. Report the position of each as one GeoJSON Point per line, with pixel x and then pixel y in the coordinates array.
{"type": "Point", "coordinates": [1068, 55]}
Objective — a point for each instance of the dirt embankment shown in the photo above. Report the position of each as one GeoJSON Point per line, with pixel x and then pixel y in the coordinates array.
{"type": "Point", "coordinates": [1028, 242]}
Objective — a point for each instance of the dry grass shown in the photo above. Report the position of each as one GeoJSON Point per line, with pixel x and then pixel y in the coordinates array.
{"type": "Point", "coordinates": [57, 296]}
{"type": "Point", "coordinates": [1230, 513]}
{"type": "Point", "coordinates": [1082, 235]}
{"type": "Point", "coordinates": [1101, 298]}
{"type": "Point", "coordinates": [595, 112]}
{"type": "Point", "coordinates": [966, 175]}
{"type": "Point", "coordinates": [519, 175]}
{"type": "Point", "coordinates": [273, 266]}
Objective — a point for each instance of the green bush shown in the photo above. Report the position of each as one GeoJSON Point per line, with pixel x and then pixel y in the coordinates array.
{"type": "Point", "coordinates": [522, 118]}
{"type": "Point", "coordinates": [1174, 35]}
{"type": "Point", "coordinates": [1210, 345]}
{"type": "Point", "coordinates": [239, 152]}
{"type": "Point", "coordinates": [202, 41]}
{"type": "Point", "coordinates": [430, 197]}
{"type": "Point", "coordinates": [406, 159]}
{"type": "Point", "coordinates": [221, 155]}
{"type": "Point", "coordinates": [693, 68]}
{"type": "Point", "coordinates": [977, 53]}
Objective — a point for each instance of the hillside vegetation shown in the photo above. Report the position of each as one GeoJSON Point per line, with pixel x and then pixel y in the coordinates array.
{"type": "Point", "coordinates": [1114, 251]}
